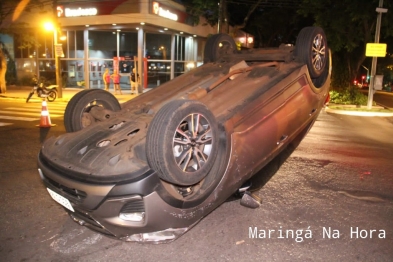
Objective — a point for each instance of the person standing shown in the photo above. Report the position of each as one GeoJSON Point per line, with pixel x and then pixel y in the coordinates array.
{"type": "Point", "coordinates": [134, 81]}
{"type": "Point", "coordinates": [107, 79]}
{"type": "Point", "coordinates": [116, 82]}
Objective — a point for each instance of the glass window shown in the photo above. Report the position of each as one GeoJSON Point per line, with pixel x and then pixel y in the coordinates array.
{"type": "Point", "coordinates": [179, 48]}
{"type": "Point", "coordinates": [22, 50]}
{"type": "Point", "coordinates": [73, 73]}
{"type": "Point", "coordinates": [79, 44]}
{"type": "Point", "coordinates": [45, 45]}
{"type": "Point", "coordinates": [158, 46]}
{"type": "Point", "coordinates": [158, 73]}
{"type": "Point", "coordinates": [64, 43]}
{"type": "Point", "coordinates": [102, 44]}
{"type": "Point", "coordinates": [71, 40]}
{"type": "Point", "coordinates": [179, 68]}
{"type": "Point", "coordinates": [128, 44]}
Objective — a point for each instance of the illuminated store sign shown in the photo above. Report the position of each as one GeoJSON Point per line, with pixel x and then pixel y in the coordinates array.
{"type": "Point", "coordinates": [158, 10]}
{"type": "Point", "coordinates": [76, 12]}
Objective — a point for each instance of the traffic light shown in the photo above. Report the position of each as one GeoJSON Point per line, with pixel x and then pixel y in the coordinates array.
{"type": "Point", "coordinates": [363, 77]}
{"type": "Point", "coordinates": [355, 82]}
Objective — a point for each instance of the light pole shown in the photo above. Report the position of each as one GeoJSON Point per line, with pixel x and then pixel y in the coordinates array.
{"type": "Point", "coordinates": [58, 53]}
{"type": "Point", "coordinates": [380, 10]}
{"type": "Point", "coordinates": [367, 77]}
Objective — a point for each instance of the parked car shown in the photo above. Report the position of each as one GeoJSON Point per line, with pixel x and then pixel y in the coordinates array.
{"type": "Point", "coordinates": [149, 169]}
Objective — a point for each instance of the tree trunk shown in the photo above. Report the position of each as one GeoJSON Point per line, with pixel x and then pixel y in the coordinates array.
{"type": "Point", "coordinates": [3, 70]}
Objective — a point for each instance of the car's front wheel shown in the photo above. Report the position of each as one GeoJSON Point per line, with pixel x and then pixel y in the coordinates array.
{"type": "Point", "coordinates": [182, 142]}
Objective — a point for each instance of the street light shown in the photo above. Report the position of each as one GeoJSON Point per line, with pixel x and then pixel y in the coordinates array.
{"type": "Point", "coordinates": [368, 75]}
{"type": "Point", "coordinates": [58, 53]}
{"type": "Point", "coordinates": [371, 91]}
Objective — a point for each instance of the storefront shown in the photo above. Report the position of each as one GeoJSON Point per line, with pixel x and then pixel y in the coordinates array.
{"type": "Point", "coordinates": [155, 37]}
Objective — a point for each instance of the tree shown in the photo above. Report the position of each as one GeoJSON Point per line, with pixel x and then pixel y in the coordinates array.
{"type": "Point", "coordinates": [10, 11]}
{"type": "Point", "coordinates": [349, 25]}
{"type": "Point", "coordinates": [272, 22]}
{"type": "Point", "coordinates": [202, 8]}
{"type": "Point", "coordinates": [212, 12]}
{"type": "Point", "coordinates": [3, 71]}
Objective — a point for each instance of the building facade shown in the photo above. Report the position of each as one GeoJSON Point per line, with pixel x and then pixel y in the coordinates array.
{"type": "Point", "coordinates": [157, 38]}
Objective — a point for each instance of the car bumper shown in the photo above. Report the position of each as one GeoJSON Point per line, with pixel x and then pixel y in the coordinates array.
{"type": "Point", "coordinates": [110, 209]}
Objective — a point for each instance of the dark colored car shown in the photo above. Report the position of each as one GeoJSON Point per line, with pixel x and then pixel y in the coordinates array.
{"type": "Point", "coordinates": [151, 168]}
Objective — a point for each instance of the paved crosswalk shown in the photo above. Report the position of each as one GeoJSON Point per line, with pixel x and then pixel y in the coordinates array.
{"type": "Point", "coordinates": [29, 112]}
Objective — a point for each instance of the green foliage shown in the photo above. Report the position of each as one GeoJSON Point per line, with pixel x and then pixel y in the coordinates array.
{"type": "Point", "coordinates": [22, 32]}
{"type": "Point", "coordinates": [204, 8]}
{"type": "Point", "coordinates": [284, 22]}
{"type": "Point", "coordinates": [341, 76]}
{"type": "Point", "coordinates": [349, 96]}
{"type": "Point", "coordinates": [349, 25]}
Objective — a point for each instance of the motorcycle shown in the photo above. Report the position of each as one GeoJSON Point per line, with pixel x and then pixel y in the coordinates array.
{"type": "Point", "coordinates": [50, 93]}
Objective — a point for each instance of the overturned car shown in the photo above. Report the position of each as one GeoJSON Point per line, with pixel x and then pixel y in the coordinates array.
{"type": "Point", "coordinates": [149, 169]}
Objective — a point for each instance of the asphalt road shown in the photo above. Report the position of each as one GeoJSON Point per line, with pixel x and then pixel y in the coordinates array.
{"type": "Point", "coordinates": [385, 99]}
{"type": "Point", "coordinates": [334, 193]}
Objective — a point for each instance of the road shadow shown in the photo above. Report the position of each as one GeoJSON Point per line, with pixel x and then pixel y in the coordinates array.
{"type": "Point", "coordinates": [43, 133]}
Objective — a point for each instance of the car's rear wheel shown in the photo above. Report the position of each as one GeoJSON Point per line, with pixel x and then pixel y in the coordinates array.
{"type": "Point", "coordinates": [182, 142]}
{"type": "Point", "coordinates": [312, 49]}
{"type": "Point", "coordinates": [77, 113]}
{"type": "Point", "coordinates": [217, 46]}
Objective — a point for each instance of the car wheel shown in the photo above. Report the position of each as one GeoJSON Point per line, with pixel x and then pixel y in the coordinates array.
{"type": "Point", "coordinates": [51, 96]}
{"type": "Point", "coordinates": [77, 113]}
{"type": "Point", "coordinates": [182, 142]}
{"type": "Point", "coordinates": [312, 49]}
{"type": "Point", "coordinates": [217, 46]}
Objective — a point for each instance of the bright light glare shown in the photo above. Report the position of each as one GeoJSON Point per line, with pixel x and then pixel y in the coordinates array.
{"type": "Point", "coordinates": [49, 26]}
{"type": "Point", "coordinates": [190, 65]}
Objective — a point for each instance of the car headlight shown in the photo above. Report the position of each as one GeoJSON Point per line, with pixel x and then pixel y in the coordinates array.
{"type": "Point", "coordinates": [134, 217]}
{"type": "Point", "coordinates": [133, 210]}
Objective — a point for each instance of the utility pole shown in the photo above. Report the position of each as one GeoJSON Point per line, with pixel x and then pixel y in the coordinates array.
{"type": "Point", "coordinates": [219, 24]}
{"type": "Point", "coordinates": [59, 80]}
{"type": "Point", "coordinates": [380, 10]}
{"type": "Point", "coordinates": [56, 30]}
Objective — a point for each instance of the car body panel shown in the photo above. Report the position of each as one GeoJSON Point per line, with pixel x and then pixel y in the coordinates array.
{"type": "Point", "coordinates": [261, 106]}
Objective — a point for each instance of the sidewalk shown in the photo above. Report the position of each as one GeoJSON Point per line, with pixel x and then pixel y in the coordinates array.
{"type": "Point", "coordinates": [357, 113]}
{"type": "Point", "coordinates": [21, 92]}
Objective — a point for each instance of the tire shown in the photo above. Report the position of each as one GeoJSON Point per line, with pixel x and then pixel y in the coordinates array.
{"type": "Point", "coordinates": [81, 104]}
{"type": "Point", "coordinates": [175, 155]}
{"type": "Point", "coordinates": [217, 46]}
{"type": "Point", "coordinates": [29, 96]}
{"type": "Point", "coordinates": [51, 96]}
{"type": "Point", "coordinates": [321, 80]}
{"type": "Point", "coordinates": [312, 49]}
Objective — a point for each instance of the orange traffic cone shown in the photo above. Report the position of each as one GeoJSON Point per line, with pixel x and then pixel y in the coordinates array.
{"type": "Point", "coordinates": [45, 118]}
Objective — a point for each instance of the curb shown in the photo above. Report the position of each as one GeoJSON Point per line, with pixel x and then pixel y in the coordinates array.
{"type": "Point", "coordinates": [357, 113]}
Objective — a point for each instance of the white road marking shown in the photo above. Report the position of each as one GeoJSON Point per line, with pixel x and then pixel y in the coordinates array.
{"type": "Point", "coordinates": [5, 124]}
{"type": "Point", "coordinates": [19, 118]}
{"type": "Point", "coordinates": [56, 111]}
{"type": "Point", "coordinates": [27, 114]}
